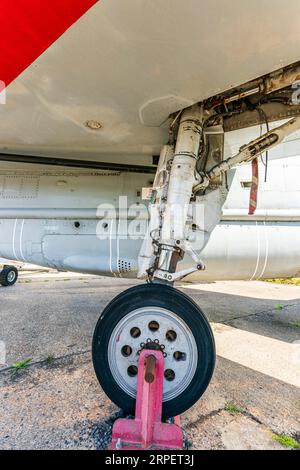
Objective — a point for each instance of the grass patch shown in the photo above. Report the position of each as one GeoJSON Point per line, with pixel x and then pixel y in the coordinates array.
{"type": "Point", "coordinates": [294, 281]}
{"type": "Point", "coordinates": [295, 324]}
{"type": "Point", "coordinates": [49, 360]}
{"type": "Point", "coordinates": [233, 409]}
{"type": "Point", "coordinates": [20, 366]}
{"type": "Point", "coordinates": [278, 307]}
{"type": "Point", "coordinates": [286, 441]}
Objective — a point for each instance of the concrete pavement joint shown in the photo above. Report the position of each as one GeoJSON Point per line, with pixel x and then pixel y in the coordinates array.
{"type": "Point", "coordinates": [263, 312]}
{"type": "Point", "coordinates": [200, 421]}
{"type": "Point", "coordinates": [203, 418]}
{"type": "Point", "coordinates": [45, 361]}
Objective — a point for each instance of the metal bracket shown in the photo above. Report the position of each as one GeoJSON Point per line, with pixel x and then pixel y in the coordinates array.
{"type": "Point", "coordinates": [172, 277]}
{"type": "Point", "coordinates": [249, 152]}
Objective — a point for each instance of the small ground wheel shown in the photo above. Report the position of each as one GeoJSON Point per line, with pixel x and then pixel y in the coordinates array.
{"type": "Point", "coordinates": [160, 315]}
{"type": "Point", "coordinates": [8, 276]}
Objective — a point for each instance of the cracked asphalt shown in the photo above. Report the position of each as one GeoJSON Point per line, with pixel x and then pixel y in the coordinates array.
{"type": "Point", "coordinates": [56, 402]}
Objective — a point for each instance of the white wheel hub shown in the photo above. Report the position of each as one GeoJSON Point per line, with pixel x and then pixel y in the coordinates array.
{"type": "Point", "coordinates": [169, 332]}
{"type": "Point", "coordinates": [11, 276]}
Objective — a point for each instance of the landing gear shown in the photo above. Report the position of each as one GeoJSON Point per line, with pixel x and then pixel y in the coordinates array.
{"type": "Point", "coordinates": [190, 173]}
{"type": "Point", "coordinates": [154, 316]}
{"type": "Point", "coordinates": [8, 276]}
{"type": "Point", "coordinates": [157, 316]}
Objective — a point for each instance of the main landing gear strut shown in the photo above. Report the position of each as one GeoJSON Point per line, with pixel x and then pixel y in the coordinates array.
{"type": "Point", "coordinates": [156, 313]}
{"type": "Point", "coordinates": [157, 316]}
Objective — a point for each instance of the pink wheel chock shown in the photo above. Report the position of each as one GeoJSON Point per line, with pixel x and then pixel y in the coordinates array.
{"type": "Point", "coordinates": [146, 430]}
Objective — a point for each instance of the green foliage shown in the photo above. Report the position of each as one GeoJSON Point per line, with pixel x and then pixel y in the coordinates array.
{"type": "Point", "coordinates": [233, 409]}
{"type": "Point", "coordinates": [278, 306]}
{"type": "Point", "coordinates": [295, 281]}
{"type": "Point", "coordinates": [49, 360]}
{"type": "Point", "coordinates": [286, 441]}
{"type": "Point", "coordinates": [22, 365]}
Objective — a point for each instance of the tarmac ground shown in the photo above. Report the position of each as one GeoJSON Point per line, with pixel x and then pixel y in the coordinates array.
{"type": "Point", "coordinates": [253, 401]}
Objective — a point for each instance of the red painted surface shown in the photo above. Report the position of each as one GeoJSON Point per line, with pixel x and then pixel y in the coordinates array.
{"type": "Point", "coordinates": [147, 431]}
{"type": "Point", "coordinates": [29, 27]}
{"type": "Point", "coordinates": [254, 188]}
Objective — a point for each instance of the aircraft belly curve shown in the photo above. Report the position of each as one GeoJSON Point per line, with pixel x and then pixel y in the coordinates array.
{"type": "Point", "coordinates": [108, 84]}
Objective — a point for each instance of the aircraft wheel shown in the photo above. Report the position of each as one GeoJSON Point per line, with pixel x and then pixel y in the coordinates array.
{"type": "Point", "coordinates": [160, 316]}
{"type": "Point", "coordinates": [8, 276]}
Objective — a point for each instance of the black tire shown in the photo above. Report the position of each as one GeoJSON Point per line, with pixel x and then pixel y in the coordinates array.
{"type": "Point", "coordinates": [8, 276]}
{"type": "Point", "coordinates": [162, 296]}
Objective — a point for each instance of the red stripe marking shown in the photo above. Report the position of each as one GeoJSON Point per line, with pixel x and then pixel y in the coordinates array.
{"type": "Point", "coordinates": [254, 188]}
{"type": "Point", "coordinates": [29, 27]}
